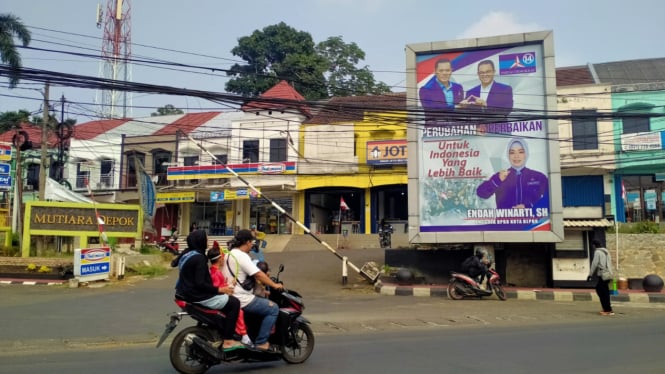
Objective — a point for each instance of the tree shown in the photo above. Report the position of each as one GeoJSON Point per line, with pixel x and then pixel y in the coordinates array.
{"type": "Point", "coordinates": [344, 77]}
{"type": "Point", "coordinates": [166, 110]}
{"type": "Point", "coordinates": [11, 27]}
{"type": "Point", "coordinates": [280, 52]}
{"type": "Point", "coordinates": [12, 120]}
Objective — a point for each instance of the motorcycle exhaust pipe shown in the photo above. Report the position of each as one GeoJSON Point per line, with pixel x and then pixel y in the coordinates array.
{"type": "Point", "coordinates": [196, 341]}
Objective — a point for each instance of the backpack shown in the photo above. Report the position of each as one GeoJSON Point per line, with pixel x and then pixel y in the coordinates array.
{"type": "Point", "coordinates": [468, 264]}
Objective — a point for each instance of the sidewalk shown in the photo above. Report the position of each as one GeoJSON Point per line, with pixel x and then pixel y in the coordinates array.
{"type": "Point", "coordinates": [523, 293]}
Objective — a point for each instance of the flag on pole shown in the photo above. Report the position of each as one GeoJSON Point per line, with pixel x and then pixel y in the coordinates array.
{"type": "Point", "coordinates": [342, 204]}
{"type": "Point", "coordinates": [146, 190]}
{"type": "Point", "coordinates": [623, 191]}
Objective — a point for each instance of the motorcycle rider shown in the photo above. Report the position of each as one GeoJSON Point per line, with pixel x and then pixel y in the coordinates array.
{"type": "Point", "coordinates": [476, 266]}
{"type": "Point", "coordinates": [195, 285]}
{"type": "Point", "coordinates": [239, 266]}
{"type": "Point", "coordinates": [259, 244]}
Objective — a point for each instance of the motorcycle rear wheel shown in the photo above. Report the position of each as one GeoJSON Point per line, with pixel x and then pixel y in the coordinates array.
{"type": "Point", "coordinates": [186, 359]}
{"type": "Point", "coordinates": [298, 351]}
{"type": "Point", "coordinates": [500, 293]}
{"type": "Point", "coordinates": [453, 290]}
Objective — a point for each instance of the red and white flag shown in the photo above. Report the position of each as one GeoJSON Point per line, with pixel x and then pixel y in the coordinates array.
{"type": "Point", "coordinates": [342, 204]}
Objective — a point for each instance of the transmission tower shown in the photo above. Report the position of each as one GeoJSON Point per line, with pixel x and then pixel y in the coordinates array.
{"type": "Point", "coordinates": [116, 54]}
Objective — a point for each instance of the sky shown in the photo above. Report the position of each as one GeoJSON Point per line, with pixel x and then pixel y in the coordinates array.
{"type": "Point", "coordinates": [203, 32]}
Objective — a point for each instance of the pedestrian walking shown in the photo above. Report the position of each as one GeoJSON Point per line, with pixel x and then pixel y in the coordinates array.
{"type": "Point", "coordinates": [601, 268]}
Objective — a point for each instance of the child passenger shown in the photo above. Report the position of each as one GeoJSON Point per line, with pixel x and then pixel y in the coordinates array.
{"type": "Point", "coordinates": [216, 260]}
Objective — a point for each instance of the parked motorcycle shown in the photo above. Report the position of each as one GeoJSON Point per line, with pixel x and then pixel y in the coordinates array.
{"type": "Point", "coordinates": [385, 236]}
{"type": "Point", "coordinates": [192, 350]}
{"type": "Point", "coordinates": [462, 285]}
{"type": "Point", "coordinates": [169, 245]}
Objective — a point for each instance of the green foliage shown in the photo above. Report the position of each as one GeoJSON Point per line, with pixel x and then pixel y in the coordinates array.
{"type": "Point", "coordinates": [149, 250]}
{"type": "Point", "coordinates": [12, 120]}
{"type": "Point", "coordinates": [166, 110]}
{"type": "Point", "coordinates": [645, 227]}
{"type": "Point", "coordinates": [344, 77]}
{"type": "Point", "coordinates": [280, 52]}
{"type": "Point", "coordinates": [113, 243]}
{"type": "Point", "coordinates": [11, 27]}
{"type": "Point", "coordinates": [642, 227]}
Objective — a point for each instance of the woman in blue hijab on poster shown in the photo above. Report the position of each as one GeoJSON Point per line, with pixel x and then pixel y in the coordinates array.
{"type": "Point", "coordinates": [517, 187]}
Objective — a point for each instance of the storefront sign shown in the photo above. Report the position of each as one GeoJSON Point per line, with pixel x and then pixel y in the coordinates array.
{"type": "Point", "coordinates": [239, 194]}
{"type": "Point", "coordinates": [643, 141]}
{"type": "Point", "coordinates": [5, 152]}
{"type": "Point", "coordinates": [82, 219]}
{"type": "Point", "coordinates": [386, 152]}
{"type": "Point", "coordinates": [221, 171]}
{"type": "Point", "coordinates": [175, 197]}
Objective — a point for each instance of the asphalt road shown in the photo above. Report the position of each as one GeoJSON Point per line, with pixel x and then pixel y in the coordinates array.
{"type": "Point", "coordinates": [604, 346]}
{"type": "Point", "coordinates": [133, 312]}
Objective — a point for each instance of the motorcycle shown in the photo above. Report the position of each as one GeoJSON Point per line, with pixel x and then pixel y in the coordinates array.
{"type": "Point", "coordinates": [385, 236]}
{"type": "Point", "coordinates": [169, 245]}
{"type": "Point", "coordinates": [192, 350]}
{"type": "Point", "coordinates": [462, 285]}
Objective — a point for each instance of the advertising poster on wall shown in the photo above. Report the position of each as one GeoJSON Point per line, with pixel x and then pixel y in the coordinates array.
{"type": "Point", "coordinates": [484, 164]}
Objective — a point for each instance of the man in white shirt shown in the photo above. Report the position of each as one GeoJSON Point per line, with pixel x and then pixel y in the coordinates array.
{"type": "Point", "coordinates": [239, 267]}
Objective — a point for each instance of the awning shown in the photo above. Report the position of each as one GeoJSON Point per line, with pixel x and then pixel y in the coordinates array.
{"type": "Point", "coordinates": [57, 192]}
{"type": "Point", "coordinates": [587, 223]}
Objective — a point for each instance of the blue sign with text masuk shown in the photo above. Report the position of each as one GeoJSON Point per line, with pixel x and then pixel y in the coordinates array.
{"type": "Point", "coordinates": [5, 181]}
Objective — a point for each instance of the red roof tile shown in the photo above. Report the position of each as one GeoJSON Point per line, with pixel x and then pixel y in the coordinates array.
{"type": "Point", "coordinates": [187, 123]}
{"type": "Point", "coordinates": [573, 76]}
{"type": "Point", "coordinates": [353, 108]}
{"type": "Point", "coordinates": [91, 130]}
{"type": "Point", "coordinates": [34, 135]}
{"type": "Point", "coordinates": [280, 96]}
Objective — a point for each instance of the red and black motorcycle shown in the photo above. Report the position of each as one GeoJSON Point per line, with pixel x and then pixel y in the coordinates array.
{"type": "Point", "coordinates": [462, 285]}
{"type": "Point", "coordinates": [192, 350]}
{"type": "Point", "coordinates": [169, 245]}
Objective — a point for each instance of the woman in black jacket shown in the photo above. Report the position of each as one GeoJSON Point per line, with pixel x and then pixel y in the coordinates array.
{"type": "Point", "coordinates": [195, 285]}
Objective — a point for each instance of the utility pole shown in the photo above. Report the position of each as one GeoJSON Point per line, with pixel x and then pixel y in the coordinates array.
{"type": "Point", "coordinates": [44, 141]}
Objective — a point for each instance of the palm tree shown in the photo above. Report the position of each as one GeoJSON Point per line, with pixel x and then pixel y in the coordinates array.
{"type": "Point", "coordinates": [11, 27]}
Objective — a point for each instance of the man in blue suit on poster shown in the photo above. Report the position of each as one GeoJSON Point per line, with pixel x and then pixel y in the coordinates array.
{"type": "Point", "coordinates": [439, 93]}
{"type": "Point", "coordinates": [489, 96]}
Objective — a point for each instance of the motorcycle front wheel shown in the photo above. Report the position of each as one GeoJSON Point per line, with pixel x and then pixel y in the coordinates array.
{"type": "Point", "coordinates": [454, 290]}
{"type": "Point", "coordinates": [498, 289]}
{"type": "Point", "coordinates": [298, 349]}
{"type": "Point", "coordinates": [184, 358]}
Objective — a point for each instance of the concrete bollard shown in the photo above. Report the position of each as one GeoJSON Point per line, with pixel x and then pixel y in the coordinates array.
{"type": "Point", "coordinates": [73, 283]}
{"type": "Point", "coordinates": [345, 271]}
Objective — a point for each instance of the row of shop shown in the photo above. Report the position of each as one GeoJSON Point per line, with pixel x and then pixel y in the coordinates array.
{"type": "Point", "coordinates": [319, 209]}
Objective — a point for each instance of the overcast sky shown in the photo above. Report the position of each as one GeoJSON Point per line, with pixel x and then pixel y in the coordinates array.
{"type": "Point", "coordinates": [584, 31]}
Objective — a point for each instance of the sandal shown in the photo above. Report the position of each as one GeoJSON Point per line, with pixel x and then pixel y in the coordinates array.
{"type": "Point", "coordinates": [236, 345]}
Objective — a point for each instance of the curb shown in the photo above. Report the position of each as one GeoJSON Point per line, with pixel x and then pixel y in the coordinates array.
{"type": "Point", "coordinates": [32, 282]}
{"type": "Point", "coordinates": [518, 294]}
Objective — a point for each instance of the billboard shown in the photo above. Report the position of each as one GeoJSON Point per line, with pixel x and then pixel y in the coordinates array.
{"type": "Point", "coordinates": [483, 158]}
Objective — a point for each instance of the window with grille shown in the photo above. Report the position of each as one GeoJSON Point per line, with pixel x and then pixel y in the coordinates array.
{"type": "Point", "coordinates": [585, 129]}
{"type": "Point", "coordinates": [278, 150]}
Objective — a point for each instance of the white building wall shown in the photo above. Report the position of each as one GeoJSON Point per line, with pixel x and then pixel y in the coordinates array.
{"type": "Point", "coordinates": [585, 162]}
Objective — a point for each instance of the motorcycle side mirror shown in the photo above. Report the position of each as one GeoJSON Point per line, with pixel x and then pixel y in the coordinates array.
{"type": "Point", "coordinates": [281, 268]}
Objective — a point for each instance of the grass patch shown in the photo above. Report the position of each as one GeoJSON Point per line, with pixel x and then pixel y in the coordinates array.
{"type": "Point", "coordinates": [147, 270]}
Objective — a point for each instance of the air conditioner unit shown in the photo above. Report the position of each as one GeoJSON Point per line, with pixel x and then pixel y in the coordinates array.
{"type": "Point", "coordinates": [28, 187]}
